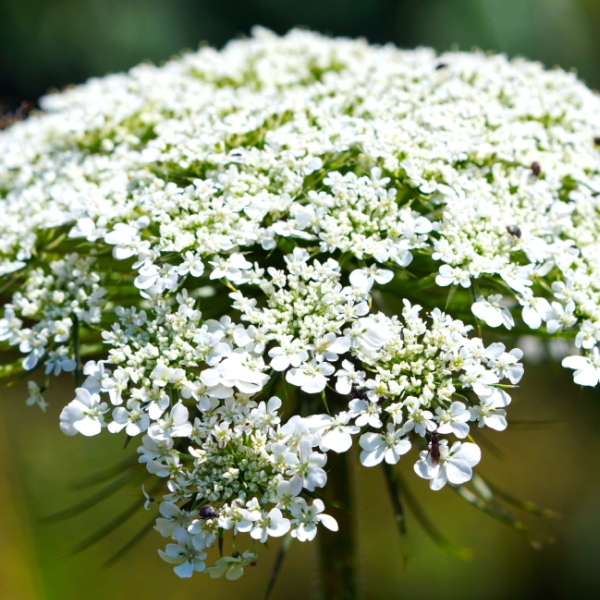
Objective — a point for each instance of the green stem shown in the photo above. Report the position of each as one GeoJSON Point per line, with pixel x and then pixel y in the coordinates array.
{"type": "Point", "coordinates": [337, 548]}
{"type": "Point", "coordinates": [77, 372]}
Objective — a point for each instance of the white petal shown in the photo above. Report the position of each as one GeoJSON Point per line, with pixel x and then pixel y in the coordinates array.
{"type": "Point", "coordinates": [461, 430]}
{"type": "Point", "coordinates": [424, 469]}
{"type": "Point", "coordinates": [179, 413]}
{"type": "Point", "coordinates": [469, 452]}
{"type": "Point", "coordinates": [458, 471]}
{"type": "Point", "coordinates": [337, 440]}
{"type": "Point", "coordinates": [497, 422]}
{"type": "Point", "coordinates": [575, 362]}
{"type": "Point", "coordinates": [587, 376]}
{"type": "Point", "coordinates": [370, 441]}
{"type": "Point", "coordinates": [329, 522]}
{"type": "Point", "coordinates": [314, 385]}
{"type": "Point", "coordinates": [184, 570]}
{"type": "Point", "coordinates": [439, 481]}
{"type": "Point", "coordinates": [88, 426]}
{"type": "Point", "coordinates": [343, 386]}
{"type": "Point", "coordinates": [531, 317]}
{"type": "Point", "coordinates": [370, 458]}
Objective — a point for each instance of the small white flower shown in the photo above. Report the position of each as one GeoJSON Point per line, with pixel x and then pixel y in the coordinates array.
{"type": "Point", "coordinates": [125, 239]}
{"type": "Point", "coordinates": [185, 555]}
{"type": "Point", "coordinates": [58, 360]}
{"type": "Point", "coordinates": [191, 264]}
{"type": "Point", "coordinates": [232, 566]}
{"type": "Point", "coordinates": [453, 276]}
{"type": "Point", "coordinates": [310, 377]}
{"type": "Point", "coordinates": [83, 415]}
{"type": "Point", "coordinates": [347, 377]}
{"type": "Point", "coordinates": [287, 354]}
{"type": "Point", "coordinates": [330, 346]}
{"type": "Point", "coordinates": [365, 413]}
{"type": "Point", "coordinates": [491, 312]}
{"type": "Point", "coordinates": [272, 524]}
{"type": "Point", "coordinates": [379, 446]}
{"type": "Point", "coordinates": [309, 466]}
{"type": "Point", "coordinates": [363, 279]}
{"type": "Point", "coordinates": [34, 396]}
{"type": "Point", "coordinates": [453, 420]}
{"type": "Point", "coordinates": [587, 368]}
{"type": "Point", "coordinates": [233, 268]}
{"type": "Point", "coordinates": [175, 425]}
{"type": "Point", "coordinates": [535, 311]}
{"type": "Point", "coordinates": [562, 317]}
{"type": "Point", "coordinates": [335, 432]}
{"type": "Point", "coordinates": [306, 518]}
{"type": "Point", "coordinates": [505, 364]}
{"type": "Point", "coordinates": [174, 521]}
{"type": "Point", "coordinates": [479, 378]}
{"type": "Point", "coordinates": [133, 419]}
{"type": "Point", "coordinates": [418, 419]}
{"type": "Point", "coordinates": [372, 336]}
{"type": "Point", "coordinates": [235, 371]}
{"type": "Point", "coordinates": [149, 499]}
{"type": "Point", "coordinates": [490, 411]}
{"type": "Point", "coordinates": [455, 464]}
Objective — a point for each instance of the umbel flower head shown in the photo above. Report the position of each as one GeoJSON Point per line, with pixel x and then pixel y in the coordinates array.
{"type": "Point", "coordinates": [291, 247]}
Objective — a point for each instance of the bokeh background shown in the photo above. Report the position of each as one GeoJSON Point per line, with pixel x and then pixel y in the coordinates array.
{"type": "Point", "coordinates": [46, 44]}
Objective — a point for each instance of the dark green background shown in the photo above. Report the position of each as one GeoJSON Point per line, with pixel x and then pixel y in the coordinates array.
{"type": "Point", "coordinates": [50, 43]}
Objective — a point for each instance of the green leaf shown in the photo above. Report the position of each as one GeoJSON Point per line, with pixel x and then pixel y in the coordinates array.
{"type": "Point", "coordinates": [526, 505]}
{"type": "Point", "coordinates": [136, 539]}
{"type": "Point", "coordinates": [495, 510]}
{"type": "Point", "coordinates": [107, 474]}
{"type": "Point", "coordinates": [88, 503]}
{"type": "Point", "coordinates": [108, 528]}
{"type": "Point", "coordinates": [428, 526]}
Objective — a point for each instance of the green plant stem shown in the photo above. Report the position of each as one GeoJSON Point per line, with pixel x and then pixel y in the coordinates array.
{"type": "Point", "coordinates": [337, 548]}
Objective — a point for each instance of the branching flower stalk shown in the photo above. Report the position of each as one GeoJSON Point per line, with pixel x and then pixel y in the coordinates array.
{"type": "Point", "coordinates": [253, 258]}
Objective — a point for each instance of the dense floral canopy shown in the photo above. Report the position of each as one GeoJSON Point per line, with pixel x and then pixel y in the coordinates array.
{"type": "Point", "coordinates": [292, 245]}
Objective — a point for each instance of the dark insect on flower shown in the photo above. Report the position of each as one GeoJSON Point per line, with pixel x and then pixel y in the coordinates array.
{"type": "Point", "coordinates": [208, 512]}
{"type": "Point", "coordinates": [597, 141]}
{"type": "Point", "coordinates": [434, 447]}
{"type": "Point", "coordinates": [441, 65]}
{"type": "Point", "coordinates": [536, 169]}
{"type": "Point", "coordinates": [513, 230]}
{"type": "Point", "coordinates": [356, 395]}
{"type": "Point", "coordinates": [253, 562]}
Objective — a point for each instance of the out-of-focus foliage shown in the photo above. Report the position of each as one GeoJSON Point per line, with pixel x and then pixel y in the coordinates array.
{"type": "Point", "coordinates": [51, 43]}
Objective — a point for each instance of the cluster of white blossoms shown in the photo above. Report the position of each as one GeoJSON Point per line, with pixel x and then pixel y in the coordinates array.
{"type": "Point", "coordinates": [255, 246]}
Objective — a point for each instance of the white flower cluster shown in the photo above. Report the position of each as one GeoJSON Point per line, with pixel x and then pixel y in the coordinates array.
{"type": "Point", "coordinates": [254, 234]}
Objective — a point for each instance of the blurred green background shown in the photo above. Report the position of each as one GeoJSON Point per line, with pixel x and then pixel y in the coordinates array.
{"type": "Point", "coordinates": [50, 43]}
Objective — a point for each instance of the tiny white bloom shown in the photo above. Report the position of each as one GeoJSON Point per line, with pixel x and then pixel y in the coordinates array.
{"type": "Point", "coordinates": [455, 464]}
{"type": "Point", "coordinates": [379, 446]}
{"type": "Point", "coordinates": [587, 368]}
